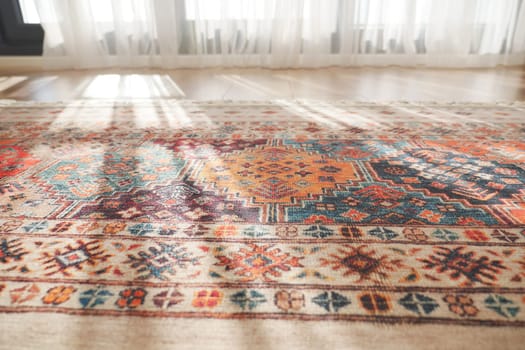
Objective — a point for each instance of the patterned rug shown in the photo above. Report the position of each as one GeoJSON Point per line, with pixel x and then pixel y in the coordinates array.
{"type": "Point", "coordinates": [328, 213]}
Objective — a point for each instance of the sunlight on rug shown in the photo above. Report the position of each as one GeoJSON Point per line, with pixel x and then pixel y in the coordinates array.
{"type": "Point", "coordinates": [330, 213]}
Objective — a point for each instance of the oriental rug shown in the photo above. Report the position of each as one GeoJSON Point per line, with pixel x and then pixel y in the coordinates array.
{"type": "Point", "coordinates": [340, 214]}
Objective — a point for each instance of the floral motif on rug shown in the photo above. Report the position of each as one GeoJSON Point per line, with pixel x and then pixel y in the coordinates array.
{"type": "Point", "coordinates": [390, 213]}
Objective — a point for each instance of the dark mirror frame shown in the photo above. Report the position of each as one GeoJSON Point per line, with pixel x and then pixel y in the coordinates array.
{"type": "Point", "coordinates": [17, 37]}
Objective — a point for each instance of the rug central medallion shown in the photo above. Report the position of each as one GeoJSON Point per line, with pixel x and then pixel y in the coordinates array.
{"type": "Point", "coordinates": [276, 174]}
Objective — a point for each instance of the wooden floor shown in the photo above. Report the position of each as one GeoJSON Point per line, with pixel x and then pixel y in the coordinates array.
{"type": "Point", "coordinates": [259, 84]}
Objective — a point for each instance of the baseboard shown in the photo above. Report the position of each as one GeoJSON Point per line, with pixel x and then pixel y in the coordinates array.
{"type": "Point", "coordinates": [17, 64]}
{"type": "Point", "coordinates": [21, 63]}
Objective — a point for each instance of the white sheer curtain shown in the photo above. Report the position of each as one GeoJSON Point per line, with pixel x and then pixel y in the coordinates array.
{"type": "Point", "coordinates": [282, 33]}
